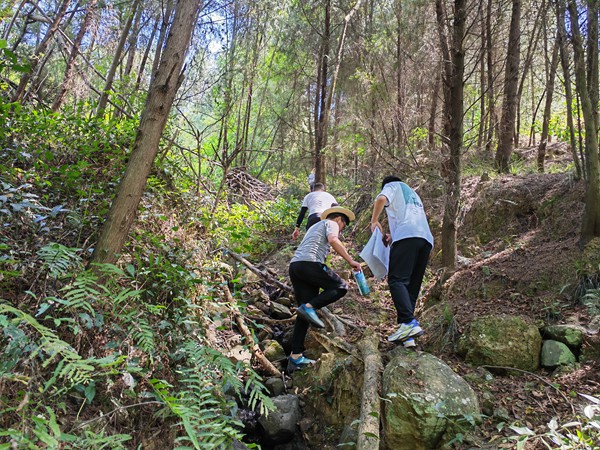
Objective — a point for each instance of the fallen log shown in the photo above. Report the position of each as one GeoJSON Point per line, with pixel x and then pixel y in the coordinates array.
{"type": "Point", "coordinates": [261, 273]}
{"type": "Point", "coordinates": [256, 351]}
{"type": "Point", "coordinates": [370, 407]}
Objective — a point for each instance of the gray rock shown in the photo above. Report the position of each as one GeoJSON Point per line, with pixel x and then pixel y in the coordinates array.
{"type": "Point", "coordinates": [279, 311]}
{"type": "Point", "coordinates": [424, 402]}
{"type": "Point", "coordinates": [280, 424]}
{"type": "Point", "coordinates": [556, 354]}
{"type": "Point", "coordinates": [349, 437]}
{"type": "Point", "coordinates": [275, 386]}
{"type": "Point", "coordinates": [505, 341]}
{"type": "Point", "coordinates": [571, 335]}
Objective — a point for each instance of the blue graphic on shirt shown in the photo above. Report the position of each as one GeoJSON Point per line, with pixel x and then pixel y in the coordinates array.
{"type": "Point", "coordinates": [410, 196]}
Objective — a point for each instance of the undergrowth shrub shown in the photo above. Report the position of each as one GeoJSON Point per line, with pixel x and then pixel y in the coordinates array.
{"type": "Point", "coordinates": [139, 355]}
{"type": "Point", "coordinates": [255, 230]}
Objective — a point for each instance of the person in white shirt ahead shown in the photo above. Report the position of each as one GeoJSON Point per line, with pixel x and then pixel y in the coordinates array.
{"type": "Point", "coordinates": [315, 203]}
{"type": "Point", "coordinates": [411, 243]}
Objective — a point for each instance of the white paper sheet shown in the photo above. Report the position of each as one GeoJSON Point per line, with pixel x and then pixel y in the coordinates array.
{"type": "Point", "coordinates": [376, 255]}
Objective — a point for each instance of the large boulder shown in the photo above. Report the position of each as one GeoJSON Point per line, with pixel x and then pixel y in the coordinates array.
{"type": "Point", "coordinates": [424, 402]}
{"type": "Point", "coordinates": [501, 341]}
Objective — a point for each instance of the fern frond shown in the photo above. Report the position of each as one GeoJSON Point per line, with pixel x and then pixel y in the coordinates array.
{"type": "Point", "coordinates": [71, 367]}
{"type": "Point", "coordinates": [60, 260]}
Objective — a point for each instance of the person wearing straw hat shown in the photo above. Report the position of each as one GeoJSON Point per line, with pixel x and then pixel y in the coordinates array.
{"type": "Point", "coordinates": [315, 284]}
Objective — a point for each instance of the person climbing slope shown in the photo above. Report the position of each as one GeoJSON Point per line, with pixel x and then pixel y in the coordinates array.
{"type": "Point", "coordinates": [411, 243]}
{"type": "Point", "coordinates": [315, 203]}
{"type": "Point", "coordinates": [309, 275]}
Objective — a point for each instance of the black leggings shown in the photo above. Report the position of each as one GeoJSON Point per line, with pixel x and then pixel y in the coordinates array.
{"type": "Point", "coordinates": [308, 278]}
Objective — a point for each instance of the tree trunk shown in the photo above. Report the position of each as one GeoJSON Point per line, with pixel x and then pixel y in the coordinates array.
{"type": "Point", "coordinates": [547, 108]}
{"type": "Point", "coordinates": [564, 62]}
{"type": "Point", "coordinates": [40, 50]}
{"type": "Point", "coordinates": [166, 17]}
{"type": "Point", "coordinates": [321, 97]}
{"type": "Point", "coordinates": [531, 49]}
{"type": "Point", "coordinates": [491, 101]}
{"type": "Point", "coordinates": [592, 57]}
{"type": "Point", "coordinates": [64, 87]}
{"type": "Point", "coordinates": [591, 217]}
{"type": "Point", "coordinates": [400, 141]}
{"type": "Point", "coordinates": [116, 60]}
{"type": "Point", "coordinates": [509, 104]}
{"type": "Point", "coordinates": [160, 98]}
{"type": "Point", "coordinates": [482, 81]}
{"type": "Point", "coordinates": [454, 107]}
{"type": "Point", "coordinates": [132, 42]}
{"type": "Point", "coordinates": [144, 60]}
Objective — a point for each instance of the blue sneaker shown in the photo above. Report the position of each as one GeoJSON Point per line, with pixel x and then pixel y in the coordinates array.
{"type": "Point", "coordinates": [405, 331]}
{"type": "Point", "coordinates": [298, 363]}
{"type": "Point", "coordinates": [310, 315]}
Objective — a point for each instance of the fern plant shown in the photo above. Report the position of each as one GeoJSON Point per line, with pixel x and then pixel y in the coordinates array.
{"type": "Point", "coordinates": [60, 260]}
{"type": "Point", "coordinates": [199, 403]}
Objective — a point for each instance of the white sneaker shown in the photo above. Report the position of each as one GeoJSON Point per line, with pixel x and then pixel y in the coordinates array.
{"type": "Point", "coordinates": [409, 343]}
{"type": "Point", "coordinates": [405, 331]}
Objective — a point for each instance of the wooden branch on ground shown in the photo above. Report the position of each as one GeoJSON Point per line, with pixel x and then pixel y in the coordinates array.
{"type": "Point", "coordinates": [256, 351]}
{"type": "Point", "coordinates": [370, 406]}
{"type": "Point", "coordinates": [335, 323]}
{"type": "Point", "coordinates": [261, 273]}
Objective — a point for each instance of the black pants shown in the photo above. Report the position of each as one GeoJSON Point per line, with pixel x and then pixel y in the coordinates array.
{"type": "Point", "coordinates": [312, 219]}
{"type": "Point", "coordinates": [308, 278]}
{"type": "Point", "coordinates": [408, 261]}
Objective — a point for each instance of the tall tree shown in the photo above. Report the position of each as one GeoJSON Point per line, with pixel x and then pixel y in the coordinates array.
{"type": "Point", "coordinates": [583, 79]}
{"type": "Point", "coordinates": [561, 37]}
{"type": "Point", "coordinates": [63, 89]}
{"type": "Point", "coordinates": [327, 87]}
{"type": "Point", "coordinates": [161, 94]}
{"type": "Point", "coordinates": [41, 49]}
{"type": "Point", "coordinates": [511, 81]}
{"type": "Point", "coordinates": [103, 101]}
{"type": "Point", "coordinates": [547, 107]}
{"type": "Point", "coordinates": [453, 77]}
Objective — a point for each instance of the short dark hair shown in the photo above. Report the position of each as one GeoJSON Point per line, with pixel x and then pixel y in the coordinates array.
{"type": "Point", "coordinates": [318, 187]}
{"type": "Point", "coordinates": [389, 179]}
{"type": "Point", "coordinates": [342, 215]}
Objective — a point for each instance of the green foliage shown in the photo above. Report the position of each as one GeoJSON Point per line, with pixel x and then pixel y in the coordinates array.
{"type": "Point", "coordinates": [59, 259]}
{"type": "Point", "coordinates": [251, 230]}
{"type": "Point", "coordinates": [37, 353]}
{"type": "Point", "coordinates": [62, 154]}
{"type": "Point", "coordinates": [200, 401]}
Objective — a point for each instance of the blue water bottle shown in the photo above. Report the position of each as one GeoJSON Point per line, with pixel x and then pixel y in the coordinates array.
{"type": "Point", "coordinates": [361, 282]}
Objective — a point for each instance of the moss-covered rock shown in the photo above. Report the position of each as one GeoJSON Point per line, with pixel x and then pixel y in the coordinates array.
{"type": "Point", "coordinates": [556, 354]}
{"type": "Point", "coordinates": [571, 335]}
{"type": "Point", "coordinates": [503, 341]}
{"type": "Point", "coordinates": [426, 404]}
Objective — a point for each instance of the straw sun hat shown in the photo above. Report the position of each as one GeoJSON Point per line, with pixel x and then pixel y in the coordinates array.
{"type": "Point", "coordinates": [338, 209]}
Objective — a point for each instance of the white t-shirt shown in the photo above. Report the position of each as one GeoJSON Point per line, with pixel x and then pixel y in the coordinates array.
{"type": "Point", "coordinates": [406, 216]}
{"type": "Point", "coordinates": [315, 244]}
{"type": "Point", "coordinates": [318, 201]}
